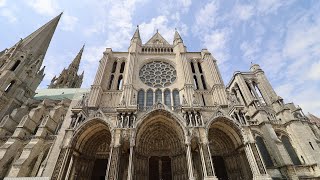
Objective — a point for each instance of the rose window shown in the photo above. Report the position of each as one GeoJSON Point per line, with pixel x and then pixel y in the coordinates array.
{"type": "Point", "coordinates": [158, 74]}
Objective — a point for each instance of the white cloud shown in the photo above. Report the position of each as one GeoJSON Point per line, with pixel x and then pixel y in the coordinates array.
{"type": "Point", "coordinates": [271, 6]}
{"type": "Point", "coordinates": [314, 71]}
{"type": "Point", "coordinates": [206, 18]}
{"type": "Point", "coordinates": [119, 19]}
{"type": "Point", "coordinates": [217, 42]}
{"type": "Point", "coordinates": [250, 50]}
{"type": "Point", "coordinates": [2, 3]}
{"type": "Point", "coordinates": [68, 22]}
{"type": "Point", "coordinates": [44, 7]}
{"type": "Point", "coordinates": [243, 12]}
{"type": "Point", "coordinates": [8, 14]}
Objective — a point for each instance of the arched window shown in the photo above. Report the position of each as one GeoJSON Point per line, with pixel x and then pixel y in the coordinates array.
{"type": "Point", "coordinates": [167, 97]}
{"type": "Point", "coordinates": [114, 67]}
{"type": "Point", "coordinates": [176, 98]}
{"type": "Point", "coordinates": [200, 68]}
{"type": "Point", "coordinates": [203, 82]}
{"type": "Point", "coordinates": [122, 67]}
{"type": "Point", "coordinates": [149, 98]}
{"type": "Point", "coordinates": [110, 81]}
{"type": "Point", "coordinates": [292, 153]}
{"type": "Point", "coordinates": [16, 64]}
{"type": "Point", "coordinates": [119, 86]}
{"type": "Point", "coordinates": [264, 152]}
{"type": "Point", "coordinates": [7, 89]}
{"type": "Point", "coordinates": [192, 67]}
{"type": "Point", "coordinates": [140, 99]}
{"type": "Point", "coordinates": [195, 82]}
{"type": "Point", "coordinates": [158, 96]}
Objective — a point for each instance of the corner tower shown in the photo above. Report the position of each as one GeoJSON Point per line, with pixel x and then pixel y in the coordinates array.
{"type": "Point", "coordinates": [69, 78]}
{"type": "Point", "coordinates": [20, 72]}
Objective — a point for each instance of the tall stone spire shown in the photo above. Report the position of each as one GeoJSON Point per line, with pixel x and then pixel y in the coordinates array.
{"type": "Point", "coordinates": [69, 77]}
{"type": "Point", "coordinates": [20, 67]}
{"type": "Point", "coordinates": [38, 42]}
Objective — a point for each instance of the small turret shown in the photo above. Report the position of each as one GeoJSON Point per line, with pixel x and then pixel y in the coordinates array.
{"type": "Point", "coordinates": [177, 38]}
{"type": "Point", "coordinates": [136, 37]}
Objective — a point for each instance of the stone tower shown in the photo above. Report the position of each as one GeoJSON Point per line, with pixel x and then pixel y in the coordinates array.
{"type": "Point", "coordinates": [20, 72]}
{"type": "Point", "coordinates": [69, 77]}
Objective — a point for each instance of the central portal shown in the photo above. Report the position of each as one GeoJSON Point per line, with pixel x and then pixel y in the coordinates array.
{"type": "Point", "coordinates": [160, 168]}
{"type": "Point", "coordinates": [160, 151]}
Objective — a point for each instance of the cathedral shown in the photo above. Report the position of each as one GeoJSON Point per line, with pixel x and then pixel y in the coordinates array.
{"type": "Point", "coordinates": [154, 112]}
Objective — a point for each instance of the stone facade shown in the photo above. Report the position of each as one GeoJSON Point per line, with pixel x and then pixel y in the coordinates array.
{"type": "Point", "coordinates": [158, 112]}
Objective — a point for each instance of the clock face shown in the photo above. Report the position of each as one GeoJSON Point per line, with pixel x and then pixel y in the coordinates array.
{"type": "Point", "coordinates": [158, 74]}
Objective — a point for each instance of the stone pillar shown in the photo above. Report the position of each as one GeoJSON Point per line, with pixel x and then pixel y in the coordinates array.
{"type": "Point", "coordinates": [113, 164]}
{"type": "Point", "coordinates": [253, 164]}
{"type": "Point", "coordinates": [206, 159]}
{"type": "Point", "coordinates": [189, 162]}
{"type": "Point", "coordinates": [130, 166]}
{"type": "Point", "coordinates": [70, 167]}
{"type": "Point", "coordinates": [204, 168]}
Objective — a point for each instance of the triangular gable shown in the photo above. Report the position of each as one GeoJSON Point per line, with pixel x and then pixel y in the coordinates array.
{"type": "Point", "coordinates": [157, 39]}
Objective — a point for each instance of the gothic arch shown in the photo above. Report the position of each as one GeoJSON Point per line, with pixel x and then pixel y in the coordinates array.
{"type": "Point", "coordinates": [90, 147]}
{"type": "Point", "coordinates": [227, 143]}
{"type": "Point", "coordinates": [228, 126]}
{"type": "Point", "coordinates": [160, 146]}
{"type": "Point", "coordinates": [165, 113]}
{"type": "Point", "coordinates": [94, 129]}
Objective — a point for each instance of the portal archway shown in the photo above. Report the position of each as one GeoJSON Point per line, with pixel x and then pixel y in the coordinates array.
{"type": "Point", "coordinates": [226, 144]}
{"type": "Point", "coordinates": [159, 148]}
{"type": "Point", "coordinates": [90, 151]}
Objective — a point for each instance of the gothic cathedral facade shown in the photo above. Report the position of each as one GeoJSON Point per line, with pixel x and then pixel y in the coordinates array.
{"type": "Point", "coordinates": [154, 112]}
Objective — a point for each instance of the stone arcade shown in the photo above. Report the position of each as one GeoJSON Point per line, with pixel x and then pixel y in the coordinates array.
{"type": "Point", "coordinates": [156, 111]}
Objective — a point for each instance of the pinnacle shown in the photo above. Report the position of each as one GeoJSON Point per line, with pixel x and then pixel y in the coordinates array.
{"type": "Point", "coordinates": [176, 34]}
{"type": "Point", "coordinates": [136, 36]}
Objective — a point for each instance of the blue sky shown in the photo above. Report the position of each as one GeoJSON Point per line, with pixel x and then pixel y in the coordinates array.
{"type": "Point", "coordinates": [283, 36]}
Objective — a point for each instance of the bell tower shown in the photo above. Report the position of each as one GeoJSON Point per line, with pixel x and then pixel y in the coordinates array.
{"type": "Point", "coordinates": [20, 72]}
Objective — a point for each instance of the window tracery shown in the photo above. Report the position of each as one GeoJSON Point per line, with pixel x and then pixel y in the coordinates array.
{"type": "Point", "coordinates": [158, 74]}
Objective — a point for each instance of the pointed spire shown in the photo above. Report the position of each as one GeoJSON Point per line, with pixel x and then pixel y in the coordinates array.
{"type": "Point", "coordinates": [177, 38]}
{"type": "Point", "coordinates": [69, 78]}
{"type": "Point", "coordinates": [136, 36]}
{"type": "Point", "coordinates": [38, 42]}
{"type": "Point", "coordinates": [76, 62]}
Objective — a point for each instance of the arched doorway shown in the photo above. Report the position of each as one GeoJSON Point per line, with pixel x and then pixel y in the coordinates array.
{"type": "Point", "coordinates": [227, 150]}
{"type": "Point", "coordinates": [90, 151]}
{"type": "Point", "coordinates": [160, 150]}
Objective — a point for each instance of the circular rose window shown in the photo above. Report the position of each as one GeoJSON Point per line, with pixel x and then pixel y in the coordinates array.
{"type": "Point", "coordinates": [158, 74]}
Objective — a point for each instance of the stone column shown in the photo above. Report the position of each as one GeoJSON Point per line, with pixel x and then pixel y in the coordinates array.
{"type": "Point", "coordinates": [70, 167]}
{"type": "Point", "coordinates": [205, 150]}
{"type": "Point", "coordinates": [113, 164]}
{"type": "Point", "coordinates": [204, 168]}
{"type": "Point", "coordinates": [189, 162]}
{"type": "Point", "coordinates": [253, 164]}
{"type": "Point", "coordinates": [130, 166]}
